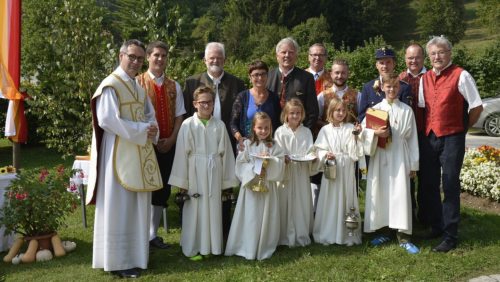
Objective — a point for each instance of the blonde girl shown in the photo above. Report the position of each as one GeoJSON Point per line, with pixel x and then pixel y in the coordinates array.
{"type": "Point", "coordinates": [336, 142]}
{"type": "Point", "coordinates": [296, 209]}
{"type": "Point", "coordinates": [255, 228]}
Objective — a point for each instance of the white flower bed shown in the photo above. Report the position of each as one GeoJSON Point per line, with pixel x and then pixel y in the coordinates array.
{"type": "Point", "coordinates": [480, 173]}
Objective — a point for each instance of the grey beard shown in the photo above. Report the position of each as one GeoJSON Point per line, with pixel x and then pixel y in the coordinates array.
{"type": "Point", "coordinates": [215, 70]}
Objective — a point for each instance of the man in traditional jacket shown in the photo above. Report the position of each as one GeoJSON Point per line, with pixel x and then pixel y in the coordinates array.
{"type": "Point", "coordinates": [372, 93]}
{"type": "Point", "coordinates": [124, 169]}
{"type": "Point", "coordinates": [226, 87]}
{"type": "Point", "coordinates": [166, 96]}
{"type": "Point", "coordinates": [339, 89]}
{"type": "Point", "coordinates": [317, 58]}
{"type": "Point", "coordinates": [289, 81]}
{"type": "Point", "coordinates": [452, 104]}
{"type": "Point", "coordinates": [414, 59]}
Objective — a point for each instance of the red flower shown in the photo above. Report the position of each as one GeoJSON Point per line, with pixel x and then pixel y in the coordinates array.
{"type": "Point", "coordinates": [21, 196]}
{"type": "Point", "coordinates": [43, 174]}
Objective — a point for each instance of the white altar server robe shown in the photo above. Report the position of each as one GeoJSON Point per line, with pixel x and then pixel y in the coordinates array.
{"type": "Point", "coordinates": [388, 201]}
{"type": "Point", "coordinates": [204, 165]}
{"type": "Point", "coordinates": [338, 195]}
{"type": "Point", "coordinates": [255, 228]}
{"type": "Point", "coordinates": [296, 209]}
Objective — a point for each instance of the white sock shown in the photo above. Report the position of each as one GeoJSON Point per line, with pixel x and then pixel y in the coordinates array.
{"type": "Point", "coordinates": [156, 213]}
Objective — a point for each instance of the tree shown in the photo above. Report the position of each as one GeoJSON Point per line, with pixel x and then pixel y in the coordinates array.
{"type": "Point", "coordinates": [489, 15]}
{"type": "Point", "coordinates": [443, 17]}
{"type": "Point", "coordinates": [66, 52]}
{"type": "Point", "coordinates": [314, 30]}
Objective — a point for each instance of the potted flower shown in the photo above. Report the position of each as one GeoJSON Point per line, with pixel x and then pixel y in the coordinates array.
{"type": "Point", "coordinates": [36, 203]}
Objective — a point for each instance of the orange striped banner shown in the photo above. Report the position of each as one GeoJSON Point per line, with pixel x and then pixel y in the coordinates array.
{"type": "Point", "coordinates": [10, 66]}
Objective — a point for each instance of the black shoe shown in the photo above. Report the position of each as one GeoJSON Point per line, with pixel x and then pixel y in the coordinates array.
{"type": "Point", "coordinates": [158, 243]}
{"type": "Point", "coordinates": [127, 273]}
{"type": "Point", "coordinates": [444, 247]}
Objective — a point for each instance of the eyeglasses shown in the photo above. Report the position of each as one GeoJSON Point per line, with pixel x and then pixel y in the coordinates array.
{"type": "Point", "coordinates": [257, 75]}
{"type": "Point", "coordinates": [134, 58]}
{"type": "Point", "coordinates": [317, 55]}
{"type": "Point", "coordinates": [205, 103]}
{"type": "Point", "coordinates": [439, 53]}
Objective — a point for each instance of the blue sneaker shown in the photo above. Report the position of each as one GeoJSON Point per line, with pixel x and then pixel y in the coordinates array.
{"type": "Point", "coordinates": [380, 240]}
{"type": "Point", "coordinates": [410, 248]}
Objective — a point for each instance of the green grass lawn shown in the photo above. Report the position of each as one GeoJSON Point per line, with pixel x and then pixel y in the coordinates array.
{"type": "Point", "coordinates": [477, 254]}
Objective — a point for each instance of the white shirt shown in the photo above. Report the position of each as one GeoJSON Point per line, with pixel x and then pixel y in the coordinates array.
{"type": "Point", "coordinates": [423, 70]}
{"type": "Point", "coordinates": [321, 99]}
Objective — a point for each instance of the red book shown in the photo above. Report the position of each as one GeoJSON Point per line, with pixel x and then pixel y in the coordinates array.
{"type": "Point", "coordinates": [376, 119]}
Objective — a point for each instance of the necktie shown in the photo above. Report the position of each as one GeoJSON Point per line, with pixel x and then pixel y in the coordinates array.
{"type": "Point", "coordinates": [316, 76]}
{"type": "Point", "coordinates": [217, 107]}
{"type": "Point", "coordinates": [283, 91]}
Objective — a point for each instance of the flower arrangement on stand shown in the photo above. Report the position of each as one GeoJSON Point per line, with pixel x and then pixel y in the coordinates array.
{"type": "Point", "coordinates": [37, 202]}
{"type": "Point", "coordinates": [480, 173]}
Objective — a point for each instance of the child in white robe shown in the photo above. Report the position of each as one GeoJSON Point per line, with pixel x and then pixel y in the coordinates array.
{"type": "Point", "coordinates": [204, 166]}
{"type": "Point", "coordinates": [296, 210]}
{"type": "Point", "coordinates": [337, 141]}
{"type": "Point", "coordinates": [388, 202]}
{"type": "Point", "coordinates": [255, 228]}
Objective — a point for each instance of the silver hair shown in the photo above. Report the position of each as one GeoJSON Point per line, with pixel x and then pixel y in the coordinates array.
{"type": "Point", "coordinates": [135, 42]}
{"type": "Point", "coordinates": [215, 45]}
{"type": "Point", "coordinates": [438, 40]}
{"type": "Point", "coordinates": [287, 41]}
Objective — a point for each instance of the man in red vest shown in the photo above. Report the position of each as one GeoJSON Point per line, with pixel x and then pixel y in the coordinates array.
{"type": "Point", "coordinates": [166, 96]}
{"type": "Point", "coordinates": [452, 104]}
{"type": "Point", "coordinates": [414, 59]}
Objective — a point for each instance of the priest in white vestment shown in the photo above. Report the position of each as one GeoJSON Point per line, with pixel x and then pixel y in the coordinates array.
{"type": "Point", "coordinates": [123, 168]}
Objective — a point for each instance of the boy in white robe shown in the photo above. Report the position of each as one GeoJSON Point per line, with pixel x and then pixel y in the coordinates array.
{"type": "Point", "coordinates": [203, 166]}
{"type": "Point", "coordinates": [388, 202]}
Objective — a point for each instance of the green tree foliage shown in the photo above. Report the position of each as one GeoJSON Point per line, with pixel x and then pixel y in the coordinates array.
{"type": "Point", "coordinates": [312, 31]}
{"type": "Point", "coordinates": [443, 17]}
{"type": "Point", "coordinates": [484, 67]}
{"type": "Point", "coordinates": [489, 15]}
{"type": "Point", "coordinates": [65, 54]}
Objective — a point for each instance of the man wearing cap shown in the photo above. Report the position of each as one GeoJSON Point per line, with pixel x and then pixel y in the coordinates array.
{"type": "Point", "coordinates": [414, 59]}
{"type": "Point", "coordinates": [317, 58]}
{"type": "Point", "coordinates": [372, 93]}
{"type": "Point", "coordinates": [452, 104]}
